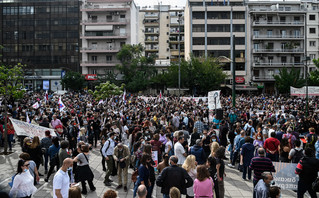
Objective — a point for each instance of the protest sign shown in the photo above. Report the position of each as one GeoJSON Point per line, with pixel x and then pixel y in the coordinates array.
{"type": "Point", "coordinates": [214, 98]}
{"type": "Point", "coordinates": [285, 176]}
{"type": "Point", "coordinates": [26, 129]}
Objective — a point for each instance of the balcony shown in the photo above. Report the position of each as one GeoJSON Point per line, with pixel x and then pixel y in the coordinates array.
{"type": "Point", "coordinates": [103, 8]}
{"type": "Point", "coordinates": [176, 32]}
{"type": "Point", "coordinates": [297, 50]}
{"type": "Point", "coordinates": [278, 23]}
{"type": "Point", "coordinates": [99, 50]}
{"type": "Point", "coordinates": [104, 36]}
{"type": "Point", "coordinates": [278, 37]}
{"type": "Point", "coordinates": [151, 32]}
{"type": "Point", "coordinates": [151, 24]}
{"type": "Point", "coordinates": [280, 9]}
{"type": "Point", "coordinates": [151, 50]}
{"type": "Point", "coordinates": [105, 22]}
{"type": "Point", "coordinates": [264, 78]}
{"type": "Point", "coordinates": [151, 40]}
{"type": "Point", "coordinates": [99, 63]}
{"type": "Point", "coordinates": [151, 16]}
{"type": "Point", "coordinates": [176, 52]}
{"type": "Point", "coordinates": [277, 65]}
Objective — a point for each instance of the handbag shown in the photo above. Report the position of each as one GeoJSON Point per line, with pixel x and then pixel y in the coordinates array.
{"type": "Point", "coordinates": [134, 176]}
{"type": "Point", "coordinates": [315, 185]}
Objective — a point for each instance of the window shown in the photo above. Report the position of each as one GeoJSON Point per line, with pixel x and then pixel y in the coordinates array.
{"type": "Point", "coordinates": [312, 56]}
{"type": "Point", "coordinates": [296, 18]}
{"type": "Point", "coordinates": [270, 60]}
{"type": "Point", "coordinates": [269, 33]}
{"type": "Point", "coordinates": [108, 58]}
{"type": "Point", "coordinates": [283, 60]}
{"type": "Point", "coordinates": [122, 16]}
{"type": "Point", "coordinates": [94, 59]}
{"type": "Point", "coordinates": [312, 30]}
{"type": "Point", "coordinates": [312, 43]}
{"type": "Point", "coordinates": [312, 17]}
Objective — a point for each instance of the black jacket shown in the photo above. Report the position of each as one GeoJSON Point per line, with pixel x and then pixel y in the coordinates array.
{"type": "Point", "coordinates": [174, 176]}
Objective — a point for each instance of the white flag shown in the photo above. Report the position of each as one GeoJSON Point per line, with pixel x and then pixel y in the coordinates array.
{"type": "Point", "coordinates": [61, 105]}
{"type": "Point", "coordinates": [28, 119]}
{"type": "Point", "coordinates": [100, 102]}
{"type": "Point", "coordinates": [36, 105]}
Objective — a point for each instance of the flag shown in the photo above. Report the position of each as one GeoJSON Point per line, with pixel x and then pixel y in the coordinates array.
{"type": "Point", "coordinates": [124, 96]}
{"type": "Point", "coordinates": [36, 105]}
{"type": "Point", "coordinates": [160, 96]}
{"type": "Point", "coordinates": [28, 119]}
{"type": "Point", "coordinates": [100, 102]}
{"type": "Point", "coordinates": [224, 2]}
{"type": "Point", "coordinates": [46, 98]}
{"type": "Point", "coordinates": [61, 105]}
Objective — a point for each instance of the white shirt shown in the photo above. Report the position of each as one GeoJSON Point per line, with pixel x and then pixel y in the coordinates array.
{"type": "Point", "coordinates": [61, 181]}
{"type": "Point", "coordinates": [23, 185]}
{"type": "Point", "coordinates": [179, 151]}
{"type": "Point", "coordinates": [168, 143]}
{"type": "Point", "coordinates": [110, 149]}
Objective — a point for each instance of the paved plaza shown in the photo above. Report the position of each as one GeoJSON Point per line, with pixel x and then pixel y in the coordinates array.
{"type": "Point", "coordinates": [235, 186]}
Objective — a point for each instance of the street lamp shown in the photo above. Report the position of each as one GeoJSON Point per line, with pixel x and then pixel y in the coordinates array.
{"type": "Point", "coordinates": [234, 79]}
{"type": "Point", "coordinates": [305, 60]}
{"type": "Point", "coordinates": [179, 53]}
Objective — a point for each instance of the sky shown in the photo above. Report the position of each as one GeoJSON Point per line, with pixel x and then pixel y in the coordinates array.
{"type": "Point", "coordinates": [164, 2]}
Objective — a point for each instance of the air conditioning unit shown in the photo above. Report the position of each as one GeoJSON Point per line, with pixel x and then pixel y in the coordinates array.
{"type": "Point", "coordinates": [89, 16]}
{"type": "Point", "coordinates": [117, 27]}
{"type": "Point", "coordinates": [117, 13]}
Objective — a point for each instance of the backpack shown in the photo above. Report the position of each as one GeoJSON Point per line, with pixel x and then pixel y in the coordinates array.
{"type": "Point", "coordinates": [311, 144]}
{"type": "Point", "coordinates": [248, 131]}
{"type": "Point", "coordinates": [297, 156]}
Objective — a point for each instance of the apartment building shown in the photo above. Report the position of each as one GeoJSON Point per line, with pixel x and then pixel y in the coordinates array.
{"type": "Point", "coordinates": [161, 32]}
{"type": "Point", "coordinates": [312, 31]}
{"type": "Point", "coordinates": [43, 36]}
{"type": "Point", "coordinates": [277, 39]}
{"type": "Point", "coordinates": [209, 26]}
{"type": "Point", "coordinates": [106, 26]}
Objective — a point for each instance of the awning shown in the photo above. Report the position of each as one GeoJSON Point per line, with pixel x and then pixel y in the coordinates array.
{"type": "Point", "coordinates": [243, 88]}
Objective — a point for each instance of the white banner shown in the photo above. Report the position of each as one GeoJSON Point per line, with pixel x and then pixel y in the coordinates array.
{"type": "Point", "coordinates": [301, 92]}
{"type": "Point", "coordinates": [26, 129]}
{"type": "Point", "coordinates": [214, 98]}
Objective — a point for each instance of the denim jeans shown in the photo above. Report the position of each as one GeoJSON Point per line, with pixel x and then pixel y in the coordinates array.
{"type": "Point", "coordinates": [165, 196]}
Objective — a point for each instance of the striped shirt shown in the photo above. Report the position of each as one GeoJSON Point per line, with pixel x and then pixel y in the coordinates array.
{"type": "Point", "coordinates": [260, 165]}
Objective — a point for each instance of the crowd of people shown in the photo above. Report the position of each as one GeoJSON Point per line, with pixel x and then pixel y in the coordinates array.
{"type": "Point", "coordinates": [191, 143]}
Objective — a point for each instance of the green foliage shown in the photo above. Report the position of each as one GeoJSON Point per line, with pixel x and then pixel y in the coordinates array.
{"type": "Point", "coordinates": [203, 74]}
{"type": "Point", "coordinates": [314, 75]}
{"type": "Point", "coordinates": [11, 82]}
{"type": "Point", "coordinates": [288, 78]}
{"type": "Point", "coordinates": [106, 90]}
{"type": "Point", "coordinates": [73, 80]}
{"type": "Point", "coordinates": [137, 69]}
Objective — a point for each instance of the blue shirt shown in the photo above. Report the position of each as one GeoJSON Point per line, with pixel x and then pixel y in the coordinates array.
{"type": "Point", "coordinates": [247, 151]}
{"type": "Point", "coordinates": [53, 150]}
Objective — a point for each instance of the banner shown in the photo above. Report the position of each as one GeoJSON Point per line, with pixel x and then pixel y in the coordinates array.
{"type": "Point", "coordinates": [285, 176]}
{"type": "Point", "coordinates": [301, 92]}
{"type": "Point", "coordinates": [155, 158]}
{"type": "Point", "coordinates": [212, 96]}
{"type": "Point", "coordinates": [27, 129]}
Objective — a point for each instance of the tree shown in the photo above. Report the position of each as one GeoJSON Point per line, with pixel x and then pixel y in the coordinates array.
{"type": "Point", "coordinates": [106, 90]}
{"type": "Point", "coordinates": [288, 78]}
{"type": "Point", "coordinates": [314, 75]}
{"type": "Point", "coordinates": [10, 89]}
{"type": "Point", "coordinates": [202, 75]}
{"type": "Point", "coordinates": [137, 69]}
{"type": "Point", "coordinates": [73, 80]}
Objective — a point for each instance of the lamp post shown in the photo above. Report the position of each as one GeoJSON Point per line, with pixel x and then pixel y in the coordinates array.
{"type": "Point", "coordinates": [234, 77]}
{"type": "Point", "coordinates": [306, 59]}
{"type": "Point", "coordinates": [179, 53]}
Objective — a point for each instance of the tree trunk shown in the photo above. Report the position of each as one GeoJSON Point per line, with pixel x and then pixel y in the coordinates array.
{"type": "Point", "coordinates": [6, 128]}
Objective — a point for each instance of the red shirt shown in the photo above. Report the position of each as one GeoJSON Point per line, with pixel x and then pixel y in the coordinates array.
{"type": "Point", "coordinates": [271, 144]}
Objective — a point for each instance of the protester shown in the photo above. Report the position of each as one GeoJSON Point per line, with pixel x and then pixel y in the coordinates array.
{"type": "Point", "coordinates": [61, 180]}
{"type": "Point", "coordinates": [247, 153]}
{"type": "Point", "coordinates": [121, 157]}
{"type": "Point", "coordinates": [23, 181]}
{"type": "Point", "coordinates": [190, 166]}
{"type": "Point", "coordinates": [110, 194]}
{"type": "Point", "coordinates": [54, 157]}
{"type": "Point", "coordinates": [45, 144]}
{"type": "Point", "coordinates": [32, 167]}
{"type": "Point", "coordinates": [203, 184]}
{"type": "Point", "coordinates": [173, 176]}
{"type": "Point", "coordinates": [220, 168]}
{"type": "Point", "coordinates": [274, 192]}
{"type": "Point", "coordinates": [271, 146]}
{"type": "Point", "coordinates": [198, 152]}
{"type": "Point", "coordinates": [141, 191]}
{"type": "Point", "coordinates": [261, 190]}
{"type": "Point", "coordinates": [108, 151]}
{"type": "Point", "coordinates": [179, 151]}
{"type": "Point", "coordinates": [174, 193]}
{"type": "Point", "coordinates": [75, 192]}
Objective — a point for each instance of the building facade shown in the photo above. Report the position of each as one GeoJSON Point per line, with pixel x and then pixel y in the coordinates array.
{"type": "Point", "coordinates": [162, 32]}
{"type": "Point", "coordinates": [107, 25]}
{"type": "Point", "coordinates": [277, 39]}
{"type": "Point", "coordinates": [209, 27]}
{"type": "Point", "coordinates": [44, 36]}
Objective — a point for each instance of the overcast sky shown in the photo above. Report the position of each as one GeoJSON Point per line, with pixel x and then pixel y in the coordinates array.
{"type": "Point", "coordinates": [164, 2]}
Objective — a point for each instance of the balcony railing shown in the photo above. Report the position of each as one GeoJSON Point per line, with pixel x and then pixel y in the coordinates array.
{"type": "Point", "coordinates": [86, 6]}
{"type": "Point", "coordinates": [264, 77]}
{"type": "Point", "coordinates": [100, 48]}
{"type": "Point", "coordinates": [276, 36]}
{"type": "Point", "coordinates": [105, 34]}
{"type": "Point", "coordinates": [121, 20]}
{"type": "Point", "coordinates": [281, 9]}
{"type": "Point", "coordinates": [101, 62]}
{"type": "Point", "coordinates": [278, 23]}
{"type": "Point", "coordinates": [278, 50]}
{"type": "Point", "coordinates": [276, 64]}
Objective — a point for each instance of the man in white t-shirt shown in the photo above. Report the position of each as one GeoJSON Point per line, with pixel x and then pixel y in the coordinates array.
{"type": "Point", "coordinates": [180, 151]}
{"type": "Point", "coordinates": [61, 180]}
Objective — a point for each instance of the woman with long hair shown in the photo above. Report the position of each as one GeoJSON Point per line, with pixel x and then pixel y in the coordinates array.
{"type": "Point", "coordinates": [203, 184]}
{"type": "Point", "coordinates": [164, 163]}
{"type": "Point", "coordinates": [284, 150]}
{"type": "Point", "coordinates": [23, 182]}
{"type": "Point", "coordinates": [35, 151]}
{"type": "Point", "coordinates": [220, 167]}
{"type": "Point", "coordinates": [169, 145]}
{"type": "Point", "coordinates": [143, 173]}
{"type": "Point", "coordinates": [151, 163]}
{"type": "Point", "coordinates": [213, 148]}
{"type": "Point", "coordinates": [190, 166]}
{"type": "Point", "coordinates": [258, 142]}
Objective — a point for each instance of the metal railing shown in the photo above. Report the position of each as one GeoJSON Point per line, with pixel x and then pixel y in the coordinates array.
{"type": "Point", "coordinates": [277, 36]}
{"type": "Point", "coordinates": [276, 64]}
{"type": "Point", "coordinates": [278, 23]}
{"type": "Point", "coordinates": [121, 20]}
{"type": "Point", "coordinates": [279, 50]}
{"type": "Point", "coordinates": [104, 34]}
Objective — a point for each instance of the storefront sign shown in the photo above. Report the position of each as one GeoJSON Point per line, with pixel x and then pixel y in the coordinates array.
{"type": "Point", "coordinates": [90, 77]}
{"type": "Point", "coordinates": [240, 80]}
{"type": "Point", "coordinates": [46, 84]}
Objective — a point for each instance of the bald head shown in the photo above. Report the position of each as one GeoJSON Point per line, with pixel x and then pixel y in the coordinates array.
{"type": "Point", "coordinates": [68, 162]}
{"type": "Point", "coordinates": [141, 191]}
